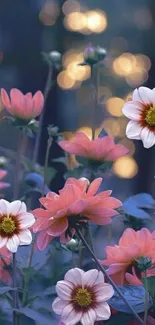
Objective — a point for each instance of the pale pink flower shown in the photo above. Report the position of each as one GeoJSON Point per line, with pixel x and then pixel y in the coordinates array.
{"type": "Point", "coordinates": [5, 259]}
{"type": "Point", "coordinates": [82, 297]}
{"type": "Point", "coordinates": [121, 258]}
{"type": "Point", "coordinates": [3, 173]}
{"type": "Point", "coordinates": [100, 149]}
{"type": "Point", "coordinates": [14, 224]}
{"type": "Point", "coordinates": [22, 106]}
{"type": "Point", "coordinates": [77, 199]}
{"type": "Point", "coordinates": [141, 112]}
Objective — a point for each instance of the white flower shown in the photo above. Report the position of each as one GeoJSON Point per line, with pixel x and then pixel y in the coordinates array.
{"type": "Point", "coordinates": [141, 111]}
{"type": "Point", "coordinates": [14, 224]}
{"type": "Point", "coordinates": [82, 297]}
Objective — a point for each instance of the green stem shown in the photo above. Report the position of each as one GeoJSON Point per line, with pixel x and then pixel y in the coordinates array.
{"type": "Point", "coordinates": [46, 92]}
{"type": "Point", "coordinates": [27, 276]}
{"type": "Point", "coordinates": [95, 83]}
{"type": "Point", "coordinates": [17, 168]}
{"type": "Point", "coordinates": [14, 292]}
{"type": "Point", "coordinates": [101, 268]}
{"type": "Point", "coordinates": [146, 299]}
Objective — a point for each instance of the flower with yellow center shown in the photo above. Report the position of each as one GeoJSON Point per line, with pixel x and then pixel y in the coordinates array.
{"type": "Point", "coordinates": [14, 224]}
{"type": "Point", "coordinates": [82, 297]}
{"type": "Point", "coordinates": [141, 111]}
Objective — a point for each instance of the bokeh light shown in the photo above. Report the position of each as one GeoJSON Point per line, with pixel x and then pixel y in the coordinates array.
{"type": "Point", "coordinates": [71, 60]}
{"type": "Point", "coordinates": [105, 93]}
{"type": "Point", "coordinates": [142, 18]}
{"type": "Point", "coordinates": [111, 127]}
{"type": "Point", "coordinates": [70, 6]}
{"type": "Point", "coordinates": [114, 106]}
{"type": "Point", "coordinates": [96, 21]}
{"type": "Point", "coordinates": [65, 80]}
{"type": "Point", "coordinates": [49, 13]}
{"type": "Point", "coordinates": [128, 144]}
{"type": "Point", "coordinates": [125, 167]}
{"type": "Point", "coordinates": [88, 131]}
{"type": "Point", "coordinates": [75, 21]}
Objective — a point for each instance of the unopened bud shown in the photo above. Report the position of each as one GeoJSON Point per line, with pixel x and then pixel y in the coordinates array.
{"type": "Point", "coordinates": [52, 131]}
{"type": "Point", "coordinates": [72, 245]}
{"type": "Point", "coordinates": [55, 56]}
{"type": "Point", "coordinates": [93, 55]}
{"type": "Point", "coordinates": [144, 263]}
{"type": "Point", "coordinates": [3, 162]}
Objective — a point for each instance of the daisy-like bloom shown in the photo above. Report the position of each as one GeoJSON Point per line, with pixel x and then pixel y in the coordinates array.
{"type": "Point", "coordinates": [5, 259]}
{"type": "Point", "coordinates": [141, 112]}
{"type": "Point", "coordinates": [14, 224]}
{"type": "Point", "coordinates": [24, 107]}
{"type": "Point", "coordinates": [82, 297]}
{"type": "Point", "coordinates": [3, 173]}
{"type": "Point", "coordinates": [121, 258]}
{"type": "Point", "coordinates": [99, 149]}
{"type": "Point", "coordinates": [76, 202]}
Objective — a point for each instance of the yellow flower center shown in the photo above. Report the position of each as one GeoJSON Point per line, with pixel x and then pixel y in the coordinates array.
{"type": "Point", "coordinates": [150, 116]}
{"type": "Point", "coordinates": [8, 225]}
{"type": "Point", "coordinates": [83, 297]}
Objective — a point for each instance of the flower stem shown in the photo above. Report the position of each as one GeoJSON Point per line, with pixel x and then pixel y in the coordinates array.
{"type": "Point", "coordinates": [17, 167]}
{"type": "Point", "coordinates": [46, 92]}
{"type": "Point", "coordinates": [101, 268]}
{"type": "Point", "coordinates": [95, 84]}
{"type": "Point", "coordinates": [27, 276]}
{"type": "Point", "coordinates": [14, 292]}
{"type": "Point", "coordinates": [146, 300]}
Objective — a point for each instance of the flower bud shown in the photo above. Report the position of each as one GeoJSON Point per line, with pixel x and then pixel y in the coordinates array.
{"type": "Point", "coordinates": [144, 263]}
{"type": "Point", "coordinates": [55, 56]}
{"type": "Point", "coordinates": [52, 131]}
{"type": "Point", "coordinates": [72, 245]}
{"type": "Point", "coordinates": [3, 162]}
{"type": "Point", "coordinates": [93, 55]}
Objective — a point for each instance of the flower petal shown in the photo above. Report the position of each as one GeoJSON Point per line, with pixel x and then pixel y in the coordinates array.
{"type": "Point", "coordinates": [75, 276]}
{"type": "Point", "coordinates": [13, 243]}
{"type": "Point", "coordinates": [5, 99]}
{"type": "Point", "coordinates": [94, 186]}
{"type": "Point", "coordinates": [103, 311]}
{"type": "Point", "coordinates": [148, 138]}
{"type": "Point", "coordinates": [58, 226]}
{"type": "Point", "coordinates": [43, 239]}
{"type": "Point", "coordinates": [3, 242]}
{"type": "Point", "coordinates": [133, 110]}
{"type": "Point", "coordinates": [14, 207]}
{"type": "Point", "coordinates": [70, 316]}
{"type": "Point", "coordinates": [25, 237]}
{"type": "Point", "coordinates": [58, 305]}
{"type": "Point", "coordinates": [64, 290]}
{"type": "Point", "coordinates": [133, 130]}
{"type": "Point", "coordinates": [103, 291]}
{"type": "Point", "coordinates": [3, 207]}
{"type": "Point", "coordinates": [89, 278]}
{"type": "Point", "coordinates": [89, 317]}
{"type": "Point", "coordinates": [38, 102]}
{"type": "Point", "coordinates": [144, 95]}
{"type": "Point", "coordinates": [26, 220]}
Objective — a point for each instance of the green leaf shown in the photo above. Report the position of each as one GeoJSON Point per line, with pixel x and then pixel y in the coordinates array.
{"type": "Point", "coordinates": [35, 315]}
{"type": "Point", "coordinates": [150, 285]}
{"type": "Point", "coordinates": [83, 161]}
{"type": "Point", "coordinates": [50, 174]}
{"type": "Point", "coordinates": [135, 295]}
{"type": "Point", "coordinates": [6, 289]}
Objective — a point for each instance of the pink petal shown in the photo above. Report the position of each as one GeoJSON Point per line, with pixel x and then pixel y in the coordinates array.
{"type": "Point", "coordinates": [75, 276]}
{"type": "Point", "coordinates": [110, 202]}
{"type": "Point", "coordinates": [64, 290]}
{"type": "Point", "coordinates": [43, 239]}
{"type": "Point", "coordinates": [58, 305]}
{"type": "Point", "coordinates": [3, 173]}
{"type": "Point", "coordinates": [94, 186]}
{"type": "Point", "coordinates": [128, 237]}
{"type": "Point", "coordinates": [17, 102]}
{"type": "Point", "coordinates": [82, 183]}
{"type": "Point", "coordinates": [103, 311]}
{"type": "Point", "coordinates": [133, 130]}
{"type": "Point", "coordinates": [89, 278]}
{"type": "Point", "coordinates": [118, 151]}
{"type": "Point", "coordinates": [38, 102]}
{"type": "Point", "coordinates": [77, 207]}
{"type": "Point", "coordinates": [133, 110]}
{"type": "Point", "coordinates": [69, 194]}
{"type": "Point", "coordinates": [148, 138]}
{"type": "Point", "coordinates": [89, 317]}
{"type": "Point", "coordinates": [103, 292]}
{"type": "Point", "coordinates": [132, 279]}
{"type": "Point", "coordinates": [70, 316]}
{"type": "Point", "coordinates": [65, 238]}
{"type": "Point", "coordinates": [74, 148]}
{"type": "Point", "coordinates": [29, 96]}
{"type": "Point", "coordinates": [5, 99]}
{"type": "Point", "coordinates": [3, 242]}
{"type": "Point", "coordinates": [4, 185]}
{"type": "Point", "coordinates": [57, 227]}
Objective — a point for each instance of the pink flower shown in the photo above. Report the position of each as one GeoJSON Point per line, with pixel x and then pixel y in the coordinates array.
{"type": "Point", "coordinates": [82, 297]}
{"type": "Point", "coordinates": [101, 149]}
{"type": "Point", "coordinates": [76, 200]}
{"type": "Point", "coordinates": [121, 258]}
{"type": "Point", "coordinates": [14, 224]}
{"type": "Point", "coordinates": [3, 173]}
{"type": "Point", "coordinates": [21, 106]}
{"type": "Point", "coordinates": [141, 111]}
{"type": "Point", "coordinates": [5, 259]}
